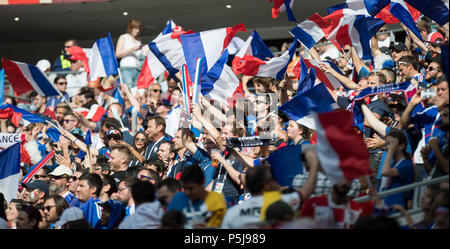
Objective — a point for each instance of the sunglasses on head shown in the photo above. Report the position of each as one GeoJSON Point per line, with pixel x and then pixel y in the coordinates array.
{"type": "Point", "coordinates": [145, 177]}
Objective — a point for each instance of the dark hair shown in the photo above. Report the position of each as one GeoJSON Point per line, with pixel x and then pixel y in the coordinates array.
{"type": "Point", "coordinates": [256, 178]}
{"type": "Point", "coordinates": [58, 78]}
{"type": "Point", "coordinates": [129, 181]}
{"type": "Point", "coordinates": [441, 79]}
{"type": "Point", "coordinates": [160, 166]}
{"type": "Point", "coordinates": [171, 145]}
{"type": "Point", "coordinates": [60, 203]}
{"type": "Point", "coordinates": [19, 203]}
{"type": "Point", "coordinates": [279, 211]}
{"type": "Point", "coordinates": [143, 191]}
{"type": "Point", "coordinates": [193, 174]}
{"type": "Point", "coordinates": [266, 82]}
{"type": "Point", "coordinates": [109, 180]}
{"type": "Point", "coordinates": [33, 214]}
{"type": "Point", "coordinates": [173, 219]}
{"type": "Point", "coordinates": [93, 180]}
{"type": "Point", "coordinates": [171, 183]}
{"type": "Point", "coordinates": [381, 77]}
{"type": "Point", "coordinates": [111, 123]}
{"type": "Point", "coordinates": [133, 171]}
{"type": "Point", "coordinates": [3, 206]}
{"type": "Point", "coordinates": [153, 174]}
{"type": "Point", "coordinates": [102, 161]}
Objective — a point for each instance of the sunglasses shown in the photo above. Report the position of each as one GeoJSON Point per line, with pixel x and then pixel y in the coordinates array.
{"type": "Point", "coordinates": [346, 50]}
{"type": "Point", "coordinates": [157, 90]}
{"type": "Point", "coordinates": [48, 208]}
{"type": "Point", "coordinates": [140, 139]}
{"type": "Point", "coordinates": [57, 177]}
{"type": "Point", "coordinates": [431, 68]}
{"type": "Point", "coordinates": [69, 120]}
{"type": "Point", "coordinates": [62, 83]}
{"type": "Point", "coordinates": [74, 178]}
{"type": "Point", "coordinates": [382, 30]}
{"type": "Point", "coordinates": [39, 176]}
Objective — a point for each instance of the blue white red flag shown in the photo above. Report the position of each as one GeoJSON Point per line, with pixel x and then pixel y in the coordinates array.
{"type": "Point", "coordinates": [220, 83]}
{"type": "Point", "coordinates": [316, 99]}
{"type": "Point", "coordinates": [280, 6]}
{"type": "Point", "coordinates": [15, 114]}
{"type": "Point", "coordinates": [10, 171]}
{"type": "Point", "coordinates": [38, 166]}
{"type": "Point", "coordinates": [340, 162]}
{"type": "Point", "coordinates": [24, 77]}
{"type": "Point", "coordinates": [356, 31]}
{"type": "Point", "coordinates": [252, 54]}
{"type": "Point", "coordinates": [186, 89]}
{"type": "Point", "coordinates": [102, 62]}
{"type": "Point", "coordinates": [247, 64]}
{"type": "Point", "coordinates": [312, 30]}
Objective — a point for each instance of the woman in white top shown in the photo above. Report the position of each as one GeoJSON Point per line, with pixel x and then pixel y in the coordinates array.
{"type": "Point", "coordinates": [128, 50]}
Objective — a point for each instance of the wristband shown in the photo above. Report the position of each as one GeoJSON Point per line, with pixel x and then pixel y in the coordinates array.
{"type": "Point", "coordinates": [75, 140]}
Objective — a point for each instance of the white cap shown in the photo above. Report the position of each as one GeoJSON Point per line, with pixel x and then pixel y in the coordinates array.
{"type": "Point", "coordinates": [61, 170]}
{"type": "Point", "coordinates": [43, 65]}
{"type": "Point", "coordinates": [70, 214]}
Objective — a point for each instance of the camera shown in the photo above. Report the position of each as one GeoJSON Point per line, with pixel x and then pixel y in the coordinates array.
{"type": "Point", "coordinates": [428, 93]}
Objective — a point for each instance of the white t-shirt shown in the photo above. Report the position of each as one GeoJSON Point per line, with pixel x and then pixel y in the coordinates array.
{"type": "Point", "coordinates": [132, 59]}
{"type": "Point", "coordinates": [248, 213]}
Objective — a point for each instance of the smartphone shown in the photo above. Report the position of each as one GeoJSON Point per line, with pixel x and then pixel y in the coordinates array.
{"type": "Point", "coordinates": [428, 93]}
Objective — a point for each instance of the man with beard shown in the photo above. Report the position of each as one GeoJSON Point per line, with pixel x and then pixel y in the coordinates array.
{"type": "Point", "coordinates": [60, 183]}
{"type": "Point", "coordinates": [335, 209]}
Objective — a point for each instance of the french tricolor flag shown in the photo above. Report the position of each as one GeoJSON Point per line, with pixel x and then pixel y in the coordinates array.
{"type": "Point", "coordinates": [251, 59]}
{"type": "Point", "coordinates": [208, 44]}
{"type": "Point", "coordinates": [16, 115]}
{"type": "Point", "coordinates": [389, 11]}
{"type": "Point", "coordinates": [152, 67]}
{"type": "Point", "coordinates": [310, 31]}
{"type": "Point", "coordinates": [167, 48]}
{"type": "Point", "coordinates": [356, 31]}
{"type": "Point", "coordinates": [96, 113]}
{"type": "Point", "coordinates": [220, 83]}
{"type": "Point", "coordinates": [38, 166]}
{"type": "Point", "coordinates": [10, 171]}
{"type": "Point", "coordinates": [102, 62]}
{"type": "Point", "coordinates": [339, 161]}
{"type": "Point", "coordinates": [300, 107]}
{"type": "Point", "coordinates": [24, 77]}
{"type": "Point", "coordinates": [300, 71]}
{"type": "Point", "coordinates": [437, 10]}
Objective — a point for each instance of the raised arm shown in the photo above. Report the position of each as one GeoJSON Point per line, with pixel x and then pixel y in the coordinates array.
{"type": "Point", "coordinates": [415, 100]}
{"type": "Point", "coordinates": [357, 62]}
{"type": "Point", "coordinates": [212, 131]}
{"type": "Point", "coordinates": [344, 80]}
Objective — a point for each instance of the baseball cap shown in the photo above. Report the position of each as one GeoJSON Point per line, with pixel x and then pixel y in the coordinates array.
{"type": "Point", "coordinates": [398, 46]}
{"type": "Point", "coordinates": [37, 184]}
{"type": "Point", "coordinates": [435, 38]}
{"type": "Point", "coordinates": [61, 170]}
{"type": "Point", "coordinates": [70, 214]}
